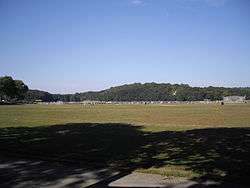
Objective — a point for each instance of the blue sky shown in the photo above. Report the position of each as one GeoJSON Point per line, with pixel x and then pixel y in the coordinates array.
{"type": "Point", "coordinates": [79, 45]}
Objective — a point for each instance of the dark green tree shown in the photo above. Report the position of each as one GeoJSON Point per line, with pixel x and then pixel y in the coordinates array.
{"type": "Point", "coordinates": [8, 88]}
{"type": "Point", "coordinates": [21, 89]}
{"type": "Point", "coordinates": [11, 89]}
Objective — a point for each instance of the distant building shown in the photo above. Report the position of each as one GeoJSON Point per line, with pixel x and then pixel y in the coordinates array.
{"type": "Point", "coordinates": [38, 101]}
{"type": "Point", "coordinates": [234, 99]}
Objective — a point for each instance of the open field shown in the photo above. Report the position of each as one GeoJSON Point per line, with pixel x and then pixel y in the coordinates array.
{"type": "Point", "coordinates": [194, 141]}
{"type": "Point", "coordinates": [153, 117]}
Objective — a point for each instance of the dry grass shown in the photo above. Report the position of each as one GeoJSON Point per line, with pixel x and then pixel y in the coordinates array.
{"type": "Point", "coordinates": [154, 117]}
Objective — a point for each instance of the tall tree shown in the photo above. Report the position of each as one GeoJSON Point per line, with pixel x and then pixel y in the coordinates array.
{"type": "Point", "coordinates": [21, 89]}
{"type": "Point", "coordinates": [12, 89]}
{"type": "Point", "coordinates": [7, 87]}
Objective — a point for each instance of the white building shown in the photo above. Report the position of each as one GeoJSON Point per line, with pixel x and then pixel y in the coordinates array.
{"type": "Point", "coordinates": [234, 99]}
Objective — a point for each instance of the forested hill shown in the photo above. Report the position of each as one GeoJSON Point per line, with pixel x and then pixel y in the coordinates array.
{"type": "Point", "coordinates": [15, 90]}
{"type": "Point", "coordinates": [145, 92]}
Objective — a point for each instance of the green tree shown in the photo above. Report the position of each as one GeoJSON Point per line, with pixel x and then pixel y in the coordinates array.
{"type": "Point", "coordinates": [21, 89]}
{"type": "Point", "coordinates": [7, 87]}
{"type": "Point", "coordinates": [11, 89]}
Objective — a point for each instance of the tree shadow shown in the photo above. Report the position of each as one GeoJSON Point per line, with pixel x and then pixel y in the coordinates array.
{"type": "Point", "coordinates": [220, 154]}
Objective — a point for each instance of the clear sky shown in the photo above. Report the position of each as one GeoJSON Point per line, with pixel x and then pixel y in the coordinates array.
{"type": "Point", "coordinates": [79, 45]}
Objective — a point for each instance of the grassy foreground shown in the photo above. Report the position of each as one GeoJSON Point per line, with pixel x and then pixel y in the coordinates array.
{"type": "Point", "coordinates": [194, 141]}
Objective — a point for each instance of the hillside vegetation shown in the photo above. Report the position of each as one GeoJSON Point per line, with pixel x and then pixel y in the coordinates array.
{"type": "Point", "coordinates": [16, 90]}
{"type": "Point", "coordinates": [145, 92]}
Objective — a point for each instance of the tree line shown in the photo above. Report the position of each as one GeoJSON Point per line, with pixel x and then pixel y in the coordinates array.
{"type": "Point", "coordinates": [145, 92]}
{"type": "Point", "coordinates": [16, 90]}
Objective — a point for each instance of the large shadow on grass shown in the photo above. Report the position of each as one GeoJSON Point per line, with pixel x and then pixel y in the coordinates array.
{"type": "Point", "coordinates": [54, 153]}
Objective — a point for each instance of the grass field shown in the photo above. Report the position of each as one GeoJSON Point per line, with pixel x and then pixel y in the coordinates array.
{"type": "Point", "coordinates": [194, 141]}
{"type": "Point", "coordinates": [153, 117]}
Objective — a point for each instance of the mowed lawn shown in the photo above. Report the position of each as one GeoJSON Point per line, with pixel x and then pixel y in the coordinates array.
{"type": "Point", "coordinates": [154, 117]}
{"type": "Point", "coordinates": [195, 141]}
